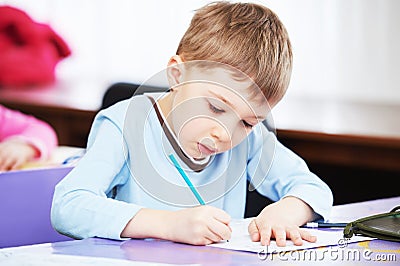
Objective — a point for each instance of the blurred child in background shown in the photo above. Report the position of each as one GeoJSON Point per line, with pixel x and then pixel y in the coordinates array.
{"type": "Point", "coordinates": [23, 138]}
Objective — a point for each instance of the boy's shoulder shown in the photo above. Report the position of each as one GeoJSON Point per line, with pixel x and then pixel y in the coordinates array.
{"type": "Point", "coordinates": [134, 107]}
{"type": "Point", "coordinates": [121, 107]}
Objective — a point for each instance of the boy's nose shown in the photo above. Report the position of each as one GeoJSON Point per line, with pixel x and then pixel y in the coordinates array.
{"type": "Point", "coordinates": [221, 134]}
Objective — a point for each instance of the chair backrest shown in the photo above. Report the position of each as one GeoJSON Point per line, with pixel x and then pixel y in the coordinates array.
{"type": "Point", "coordinates": [25, 203]}
{"type": "Point", "coordinates": [123, 90]}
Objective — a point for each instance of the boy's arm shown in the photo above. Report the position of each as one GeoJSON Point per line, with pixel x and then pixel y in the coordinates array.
{"type": "Point", "coordinates": [299, 195]}
{"type": "Point", "coordinates": [81, 208]}
{"type": "Point", "coordinates": [286, 174]}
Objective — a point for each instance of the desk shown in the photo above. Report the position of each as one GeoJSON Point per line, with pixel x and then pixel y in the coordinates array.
{"type": "Point", "coordinates": [25, 200]}
{"type": "Point", "coordinates": [155, 251]}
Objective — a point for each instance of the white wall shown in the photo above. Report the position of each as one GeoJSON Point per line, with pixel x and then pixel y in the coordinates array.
{"type": "Point", "coordinates": [346, 49]}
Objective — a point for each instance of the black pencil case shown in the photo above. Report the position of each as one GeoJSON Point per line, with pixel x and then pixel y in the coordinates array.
{"type": "Point", "coordinates": [385, 226]}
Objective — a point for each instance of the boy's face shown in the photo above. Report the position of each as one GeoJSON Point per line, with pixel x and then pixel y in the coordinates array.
{"type": "Point", "coordinates": [212, 111]}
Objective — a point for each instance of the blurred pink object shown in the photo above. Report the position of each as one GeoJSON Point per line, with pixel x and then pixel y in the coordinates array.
{"type": "Point", "coordinates": [29, 51]}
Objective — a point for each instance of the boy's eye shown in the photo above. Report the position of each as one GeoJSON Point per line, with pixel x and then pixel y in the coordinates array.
{"type": "Point", "coordinates": [215, 109]}
{"type": "Point", "coordinates": [247, 124]}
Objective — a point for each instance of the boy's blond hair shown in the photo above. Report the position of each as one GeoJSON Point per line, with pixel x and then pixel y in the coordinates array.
{"type": "Point", "coordinates": [247, 36]}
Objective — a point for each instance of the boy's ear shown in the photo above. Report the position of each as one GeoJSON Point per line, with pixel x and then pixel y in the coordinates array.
{"type": "Point", "coordinates": [175, 70]}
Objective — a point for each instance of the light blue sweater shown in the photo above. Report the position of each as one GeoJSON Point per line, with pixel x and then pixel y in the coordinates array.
{"type": "Point", "coordinates": [126, 167]}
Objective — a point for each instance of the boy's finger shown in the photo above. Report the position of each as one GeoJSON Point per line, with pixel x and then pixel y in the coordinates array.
{"type": "Point", "coordinates": [280, 236]}
{"type": "Point", "coordinates": [265, 234]}
{"type": "Point", "coordinates": [222, 216]}
{"type": "Point", "coordinates": [253, 231]}
{"type": "Point", "coordinates": [212, 238]}
{"type": "Point", "coordinates": [294, 235]}
{"type": "Point", "coordinates": [307, 236]}
{"type": "Point", "coordinates": [220, 229]}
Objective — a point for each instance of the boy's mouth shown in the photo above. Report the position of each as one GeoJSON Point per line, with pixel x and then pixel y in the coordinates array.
{"type": "Point", "coordinates": [205, 150]}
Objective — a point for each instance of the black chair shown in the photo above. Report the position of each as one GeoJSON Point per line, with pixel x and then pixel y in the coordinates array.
{"type": "Point", "coordinates": [118, 92]}
{"type": "Point", "coordinates": [124, 90]}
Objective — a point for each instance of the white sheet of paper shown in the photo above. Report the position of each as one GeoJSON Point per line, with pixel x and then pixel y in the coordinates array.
{"type": "Point", "coordinates": [240, 240]}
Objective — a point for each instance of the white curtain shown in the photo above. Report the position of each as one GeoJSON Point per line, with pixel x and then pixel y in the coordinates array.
{"type": "Point", "coordinates": [345, 49]}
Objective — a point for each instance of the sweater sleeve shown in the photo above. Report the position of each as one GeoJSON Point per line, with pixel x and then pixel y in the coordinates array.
{"type": "Point", "coordinates": [82, 206]}
{"type": "Point", "coordinates": [286, 174]}
{"type": "Point", "coordinates": [14, 124]}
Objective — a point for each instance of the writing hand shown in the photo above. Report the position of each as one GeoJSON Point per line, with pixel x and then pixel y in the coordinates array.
{"type": "Point", "coordinates": [200, 225]}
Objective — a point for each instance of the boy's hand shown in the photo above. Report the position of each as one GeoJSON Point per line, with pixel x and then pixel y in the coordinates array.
{"type": "Point", "coordinates": [200, 225]}
{"type": "Point", "coordinates": [14, 153]}
{"type": "Point", "coordinates": [281, 221]}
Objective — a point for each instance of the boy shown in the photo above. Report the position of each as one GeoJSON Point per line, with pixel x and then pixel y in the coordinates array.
{"type": "Point", "coordinates": [232, 66]}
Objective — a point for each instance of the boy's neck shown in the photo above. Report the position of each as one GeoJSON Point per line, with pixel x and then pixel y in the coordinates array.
{"type": "Point", "coordinates": [165, 104]}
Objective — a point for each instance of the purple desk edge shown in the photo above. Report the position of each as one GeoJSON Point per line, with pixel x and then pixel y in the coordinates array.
{"type": "Point", "coordinates": [156, 251]}
{"type": "Point", "coordinates": [25, 203]}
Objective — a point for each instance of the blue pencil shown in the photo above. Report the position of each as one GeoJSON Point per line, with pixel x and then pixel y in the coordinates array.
{"type": "Point", "coordinates": [187, 180]}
